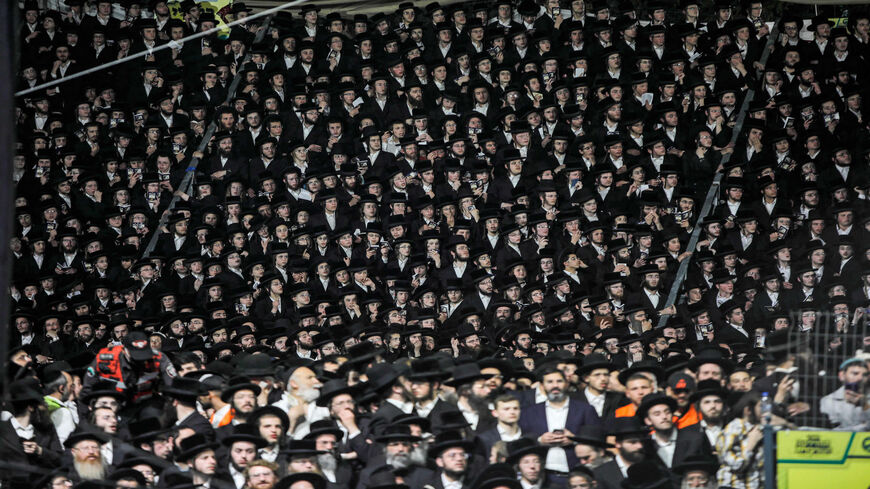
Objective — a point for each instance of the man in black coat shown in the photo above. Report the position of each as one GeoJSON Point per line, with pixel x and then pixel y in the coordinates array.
{"type": "Point", "coordinates": [672, 445]}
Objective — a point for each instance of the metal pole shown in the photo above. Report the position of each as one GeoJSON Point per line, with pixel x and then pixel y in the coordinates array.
{"type": "Point", "coordinates": [141, 54]}
{"type": "Point", "coordinates": [8, 60]}
{"type": "Point", "coordinates": [769, 458]}
{"type": "Point", "coordinates": [713, 193]}
{"type": "Point", "coordinates": [187, 182]}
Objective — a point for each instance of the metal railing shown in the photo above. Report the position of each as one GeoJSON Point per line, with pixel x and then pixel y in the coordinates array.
{"type": "Point", "coordinates": [187, 182]}
{"type": "Point", "coordinates": [713, 194]}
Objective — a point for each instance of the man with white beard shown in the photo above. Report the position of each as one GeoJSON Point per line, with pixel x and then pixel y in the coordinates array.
{"type": "Point", "coordinates": [397, 441]}
{"type": "Point", "coordinates": [87, 459]}
{"type": "Point", "coordinates": [327, 435]}
{"type": "Point", "coordinates": [302, 389]}
{"type": "Point", "coordinates": [420, 428]}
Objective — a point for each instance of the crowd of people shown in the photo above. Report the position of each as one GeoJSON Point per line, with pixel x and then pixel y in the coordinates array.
{"type": "Point", "coordinates": [432, 248]}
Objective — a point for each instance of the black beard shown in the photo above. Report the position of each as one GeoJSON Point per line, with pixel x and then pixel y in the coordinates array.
{"type": "Point", "coordinates": [454, 474]}
{"type": "Point", "coordinates": [633, 457]}
{"type": "Point", "coordinates": [479, 404]}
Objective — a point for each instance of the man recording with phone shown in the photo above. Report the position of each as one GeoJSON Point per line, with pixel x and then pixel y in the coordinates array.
{"type": "Point", "coordinates": [847, 408]}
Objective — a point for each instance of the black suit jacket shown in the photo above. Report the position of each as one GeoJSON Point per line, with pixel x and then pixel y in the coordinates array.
{"type": "Point", "coordinates": [691, 441]}
{"type": "Point", "coordinates": [608, 475]}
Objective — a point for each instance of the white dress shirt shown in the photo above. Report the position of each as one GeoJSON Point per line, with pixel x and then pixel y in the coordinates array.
{"type": "Point", "coordinates": [596, 402]}
{"type": "Point", "coordinates": [557, 459]}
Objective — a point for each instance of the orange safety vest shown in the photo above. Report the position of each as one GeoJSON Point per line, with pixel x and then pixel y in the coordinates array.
{"type": "Point", "coordinates": [626, 411]}
{"type": "Point", "coordinates": [109, 368]}
{"type": "Point", "coordinates": [691, 417]}
{"type": "Point", "coordinates": [226, 419]}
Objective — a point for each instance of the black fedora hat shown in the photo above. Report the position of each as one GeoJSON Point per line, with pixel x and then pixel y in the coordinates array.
{"type": "Point", "coordinates": [103, 388]}
{"type": "Point", "coordinates": [626, 426]}
{"type": "Point", "coordinates": [184, 389]}
{"type": "Point", "coordinates": [446, 440]}
{"type": "Point", "coordinates": [710, 355]}
{"type": "Point", "coordinates": [465, 373]}
{"type": "Point", "coordinates": [25, 390]}
{"type": "Point", "coordinates": [593, 362]}
{"type": "Point", "coordinates": [247, 432]}
{"type": "Point", "coordinates": [427, 370]}
{"type": "Point", "coordinates": [592, 435]}
{"type": "Point", "coordinates": [334, 388]}
{"type": "Point", "coordinates": [145, 430]}
{"type": "Point", "coordinates": [708, 387]}
{"type": "Point", "coordinates": [83, 434]}
{"type": "Point", "coordinates": [194, 445]}
{"type": "Point", "coordinates": [316, 480]}
{"type": "Point", "coordinates": [654, 400]}
{"type": "Point", "coordinates": [646, 475]}
{"type": "Point", "coordinates": [518, 449]}
{"type": "Point", "coordinates": [704, 463]}
{"type": "Point", "coordinates": [381, 375]}
{"type": "Point", "coordinates": [323, 427]}
{"type": "Point", "coordinates": [650, 366]}
{"type": "Point", "coordinates": [302, 448]}
{"type": "Point", "coordinates": [236, 384]}
{"type": "Point", "coordinates": [396, 433]}
{"type": "Point", "coordinates": [279, 413]}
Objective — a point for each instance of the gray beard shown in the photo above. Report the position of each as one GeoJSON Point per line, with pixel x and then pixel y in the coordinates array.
{"type": "Point", "coordinates": [419, 454]}
{"type": "Point", "coordinates": [399, 461]}
{"type": "Point", "coordinates": [90, 470]}
{"type": "Point", "coordinates": [556, 397]}
{"type": "Point", "coordinates": [309, 395]}
{"type": "Point", "coordinates": [327, 462]}
{"type": "Point", "coordinates": [479, 404]}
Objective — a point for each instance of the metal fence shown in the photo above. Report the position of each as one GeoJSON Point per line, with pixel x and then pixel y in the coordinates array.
{"type": "Point", "coordinates": [820, 342]}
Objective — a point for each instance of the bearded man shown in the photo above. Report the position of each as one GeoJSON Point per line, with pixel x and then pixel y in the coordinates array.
{"type": "Point", "coordinates": [537, 421]}
{"type": "Point", "coordinates": [87, 458]}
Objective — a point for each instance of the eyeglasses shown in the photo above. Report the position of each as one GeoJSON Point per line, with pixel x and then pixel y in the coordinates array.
{"type": "Point", "coordinates": [87, 448]}
{"type": "Point", "coordinates": [455, 455]}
